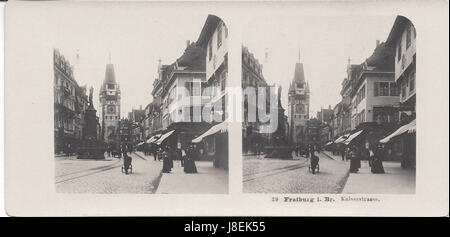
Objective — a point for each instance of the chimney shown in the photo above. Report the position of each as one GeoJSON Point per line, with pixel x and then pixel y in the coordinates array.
{"type": "Point", "coordinates": [188, 42]}
{"type": "Point", "coordinates": [140, 107]}
{"type": "Point", "coordinates": [329, 106]}
{"type": "Point", "coordinates": [378, 43]}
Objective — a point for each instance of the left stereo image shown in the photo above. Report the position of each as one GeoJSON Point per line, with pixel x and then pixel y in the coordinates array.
{"type": "Point", "coordinates": [140, 104]}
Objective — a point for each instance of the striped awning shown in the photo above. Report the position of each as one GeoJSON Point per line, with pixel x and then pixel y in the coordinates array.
{"type": "Point", "coordinates": [341, 138]}
{"type": "Point", "coordinates": [218, 128]}
{"type": "Point", "coordinates": [410, 128]}
{"type": "Point", "coordinates": [163, 137]}
{"type": "Point", "coordinates": [153, 138]}
{"type": "Point", "coordinates": [351, 137]}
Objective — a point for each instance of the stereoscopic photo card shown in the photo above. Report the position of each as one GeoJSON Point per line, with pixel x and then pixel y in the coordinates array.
{"type": "Point", "coordinates": [226, 108]}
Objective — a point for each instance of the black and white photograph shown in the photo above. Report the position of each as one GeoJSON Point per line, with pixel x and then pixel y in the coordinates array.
{"type": "Point", "coordinates": [131, 109]}
{"type": "Point", "coordinates": [213, 109]}
{"type": "Point", "coordinates": [346, 120]}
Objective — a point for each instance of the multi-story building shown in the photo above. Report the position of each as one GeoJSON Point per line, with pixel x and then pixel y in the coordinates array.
{"type": "Point", "coordinates": [81, 104]}
{"type": "Point", "coordinates": [110, 107]}
{"type": "Point", "coordinates": [337, 120]}
{"type": "Point", "coordinates": [298, 107]}
{"type": "Point", "coordinates": [402, 39]}
{"type": "Point", "coordinates": [70, 102]}
{"type": "Point", "coordinates": [348, 86]}
{"type": "Point", "coordinates": [214, 39]}
{"type": "Point", "coordinates": [375, 96]}
{"type": "Point", "coordinates": [136, 117]}
{"type": "Point", "coordinates": [252, 77]}
{"type": "Point", "coordinates": [125, 132]}
{"type": "Point", "coordinates": [150, 123]}
{"type": "Point", "coordinates": [180, 89]}
{"type": "Point", "coordinates": [325, 118]}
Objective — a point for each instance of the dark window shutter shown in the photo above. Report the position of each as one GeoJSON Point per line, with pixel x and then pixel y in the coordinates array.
{"type": "Point", "coordinates": [376, 88]}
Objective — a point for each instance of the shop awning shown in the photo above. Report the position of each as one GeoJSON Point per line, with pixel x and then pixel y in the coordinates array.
{"type": "Point", "coordinates": [163, 137]}
{"type": "Point", "coordinates": [410, 128]}
{"type": "Point", "coordinates": [140, 143]}
{"type": "Point", "coordinates": [351, 137]}
{"type": "Point", "coordinates": [329, 143]}
{"type": "Point", "coordinates": [218, 128]}
{"type": "Point", "coordinates": [153, 138]}
{"type": "Point", "coordinates": [341, 138]}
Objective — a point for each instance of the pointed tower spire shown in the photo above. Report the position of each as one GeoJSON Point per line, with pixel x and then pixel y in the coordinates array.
{"type": "Point", "coordinates": [298, 55]}
{"type": "Point", "coordinates": [109, 56]}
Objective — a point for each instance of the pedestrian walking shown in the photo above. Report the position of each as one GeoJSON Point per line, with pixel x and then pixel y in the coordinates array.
{"type": "Point", "coordinates": [377, 163]}
{"type": "Point", "coordinates": [183, 156]}
{"type": "Point", "coordinates": [355, 162]}
{"type": "Point", "coordinates": [166, 163]}
{"type": "Point", "coordinates": [155, 152]}
{"type": "Point", "coordinates": [189, 165]}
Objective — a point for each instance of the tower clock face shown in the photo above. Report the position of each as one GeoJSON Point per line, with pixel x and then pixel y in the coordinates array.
{"type": "Point", "coordinates": [111, 109]}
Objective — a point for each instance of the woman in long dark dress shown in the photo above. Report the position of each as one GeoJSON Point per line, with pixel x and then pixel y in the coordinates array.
{"type": "Point", "coordinates": [377, 163]}
{"type": "Point", "coordinates": [355, 162]}
{"type": "Point", "coordinates": [189, 163]}
{"type": "Point", "coordinates": [166, 164]}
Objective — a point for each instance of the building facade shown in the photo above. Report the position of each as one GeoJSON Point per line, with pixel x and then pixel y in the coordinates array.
{"type": "Point", "coordinates": [252, 78]}
{"type": "Point", "coordinates": [110, 107]}
{"type": "Point", "coordinates": [402, 39]}
{"type": "Point", "coordinates": [70, 103]}
{"type": "Point", "coordinates": [375, 97]}
{"type": "Point", "coordinates": [214, 39]}
{"type": "Point", "coordinates": [298, 107]}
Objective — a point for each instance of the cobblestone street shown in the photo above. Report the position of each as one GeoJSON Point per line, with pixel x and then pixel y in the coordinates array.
{"type": "Point", "coordinates": [265, 175]}
{"type": "Point", "coordinates": [105, 176]}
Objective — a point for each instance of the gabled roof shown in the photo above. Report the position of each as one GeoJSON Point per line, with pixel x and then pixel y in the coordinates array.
{"type": "Point", "coordinates": [382, 58]}
{"type": "Point", "coordinates": [208, 29]}
{"type": "Point", "coordinates": [193, 58]}
{"type": "Point", "coordinates": [397, 29]}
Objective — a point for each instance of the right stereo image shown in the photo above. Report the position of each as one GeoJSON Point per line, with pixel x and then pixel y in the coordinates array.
{"type": "Point", "coordinates": [329, 105]}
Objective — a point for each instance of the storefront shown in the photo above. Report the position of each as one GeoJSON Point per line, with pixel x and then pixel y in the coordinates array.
{"type": "Point", "coordinates": [402, 144]}
{"type": "Point", "coordinates": [214, 143]}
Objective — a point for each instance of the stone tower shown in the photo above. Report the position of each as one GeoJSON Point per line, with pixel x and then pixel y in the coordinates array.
{"type": "Point", "coordinates": [298, 106]}
{"type": "Point", "coordinates": [110, 107]}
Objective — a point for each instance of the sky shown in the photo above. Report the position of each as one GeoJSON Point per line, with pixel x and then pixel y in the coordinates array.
{"type": "Point", "coordinates": [324, 44]}
{"type": "Point", "coordinates": [136, 42]}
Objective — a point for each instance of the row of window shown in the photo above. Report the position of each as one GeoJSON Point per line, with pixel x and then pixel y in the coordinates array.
{"type": "Point", "coordinates": [252, 63]}
{"type": "Point", "coordinates": [220, 28]}
{"type": "Point", "coordinates": [360, 95]}
{"type": "Point", "coordinates": [410, 32]}
{"type": "Point", "coordinates": [67, 124]}
{"type": "Point", "coordinates": [59, 81]}
{"type": "Point", "coordinates": [360, 118]}
{"type": "Point", "coordinates": [111, 117]}
{"type": "Point", "coordinates": [386, 89]}
{"type": "Point", "coordinates": [410, 82]}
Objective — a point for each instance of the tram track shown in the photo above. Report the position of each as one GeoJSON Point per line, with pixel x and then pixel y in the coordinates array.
{"type": "Point", "coordinates": [88, 172]}
{"type": "Point", "coordinates": [271, 172]}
